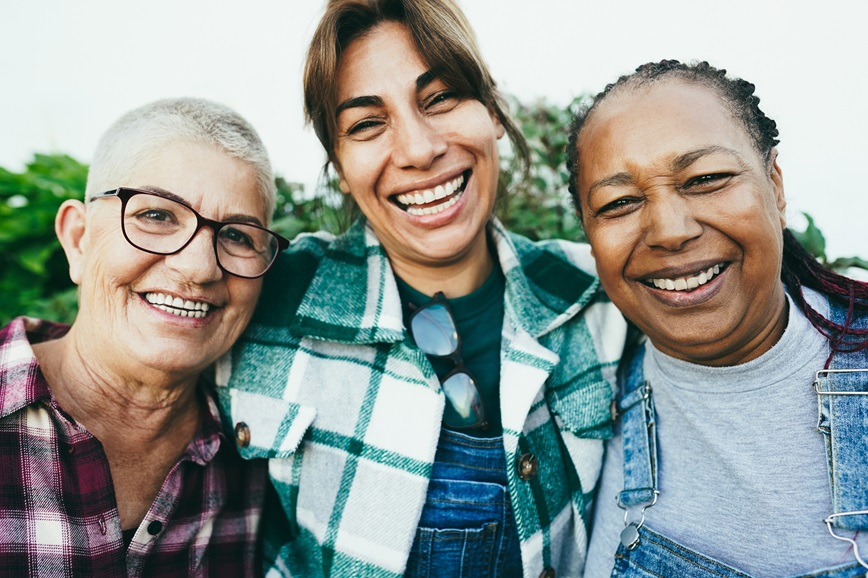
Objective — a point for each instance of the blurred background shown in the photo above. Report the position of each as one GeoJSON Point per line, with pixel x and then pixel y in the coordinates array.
{"type": "Point", "coordinates": [71, 68]}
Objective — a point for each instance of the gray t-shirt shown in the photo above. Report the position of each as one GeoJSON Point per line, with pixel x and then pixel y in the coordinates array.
{"type": "Point", "coordinates": [742, 475]}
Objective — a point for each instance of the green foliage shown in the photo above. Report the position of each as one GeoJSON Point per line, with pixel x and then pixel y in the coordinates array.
{"type": "Point", "coordinates": [537, 205]}
{"type": "Point", "coordinates": [813, 240]}
{"type": "Point", "coordinates": [34, 277]}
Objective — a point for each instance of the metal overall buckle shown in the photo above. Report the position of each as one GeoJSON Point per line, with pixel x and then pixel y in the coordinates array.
{"type": "Point", "coordinates": [630, 533]}
{"type": "Point", "coordinates": [831, 518]}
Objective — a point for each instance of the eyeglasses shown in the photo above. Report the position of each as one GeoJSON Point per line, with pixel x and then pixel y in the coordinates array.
{"type": "Point", "coordinates": [157, 224]}
{"type": "Point", "coordinates": [433, 328]}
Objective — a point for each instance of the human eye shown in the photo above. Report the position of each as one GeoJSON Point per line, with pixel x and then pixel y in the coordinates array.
{"type": "Point", "coordinates": [706, 183]}
{"type": "Point", "coordinates": [156, 220]}
{"type": "Point", "coordinates": [237, 236]}
{"type": "Point", "coordinates": [362, 127]}
{"type": "Point", "coordinates": [618, 207]}
{"type": "Point", "coordinates": [441, 101]}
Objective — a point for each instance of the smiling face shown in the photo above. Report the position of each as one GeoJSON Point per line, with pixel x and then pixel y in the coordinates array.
{"type": "Point", "coordinates": [419, 159]}
{"type": "Point", "coordinates": [685, 220]}
{"type": "Point", "coordinates": [133, 305]}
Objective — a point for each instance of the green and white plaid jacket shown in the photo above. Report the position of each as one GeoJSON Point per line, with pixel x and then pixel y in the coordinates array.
{"type": "Point", "coordinates": [332, 390]}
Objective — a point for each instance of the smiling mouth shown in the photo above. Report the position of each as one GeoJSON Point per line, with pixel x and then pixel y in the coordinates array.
{"type": "Point", "coordinates": [433, 201]}
{"type": "Point", "coordinates": [178, 306]}
{"type": "Point", "coordinates": [686, 283]}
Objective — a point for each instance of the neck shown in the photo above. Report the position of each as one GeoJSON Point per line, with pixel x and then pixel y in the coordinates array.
{"type": "Point", "coordinates": [120, 408]}
{"type": "Point", "coordinates": [454, 278]}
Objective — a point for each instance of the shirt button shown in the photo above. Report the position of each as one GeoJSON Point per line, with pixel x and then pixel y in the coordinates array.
{"type": "Point", "coordinates": [528, 466]}
{"type": "Point", "coordinates": [547, 573]}
{"type": "Point", "coordinates": [242, 434]}
{"type": "Point", "coordinates": [155, 527]}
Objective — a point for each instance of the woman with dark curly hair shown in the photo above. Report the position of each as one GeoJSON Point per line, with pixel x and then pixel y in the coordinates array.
{"type": "Point", "coordinates": [720, 465]}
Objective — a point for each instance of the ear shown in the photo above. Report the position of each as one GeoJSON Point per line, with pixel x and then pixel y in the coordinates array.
{"type": "Point", "coordinates": [777, 179]}
{"type": "Point", "coordinates": [69, 226]}
{"type": "Point", "coordinates": [342, 182]}
{"type": "Point", "coordinates": [498, 126]}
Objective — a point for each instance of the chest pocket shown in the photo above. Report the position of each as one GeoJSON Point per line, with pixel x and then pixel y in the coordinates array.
{"type": "Point", "coordinates": [843, 421]}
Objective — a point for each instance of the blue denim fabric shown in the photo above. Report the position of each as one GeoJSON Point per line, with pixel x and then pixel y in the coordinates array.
{"type": "Point", "coordinates": [844, 423]}
{"type": "Point", "coordinates": [467, 529]}
{"type": "Point", "coordinates": [843, 419]}
{"type": "Point", "coordinates": [658, 557]}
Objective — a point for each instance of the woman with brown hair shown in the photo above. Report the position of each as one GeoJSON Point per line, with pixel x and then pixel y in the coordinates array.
{"type": "Point", "coordinates": [433, 391]}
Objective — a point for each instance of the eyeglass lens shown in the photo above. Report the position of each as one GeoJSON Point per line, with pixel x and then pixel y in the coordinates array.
{"type": "Point", "coordinates": [465, 406]}
{"type": "Point", "coordinates": [435, 333]}
{"type": "Point", "coordinates": [160, 225]}
{"type": "Point", "coordinates": [434, 330]}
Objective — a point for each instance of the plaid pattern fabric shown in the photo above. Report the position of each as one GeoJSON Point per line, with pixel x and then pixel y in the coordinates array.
{"type": "Point", "coordinates": [349, 410]}
{"type": "Point", "coordinates": [58, 515]}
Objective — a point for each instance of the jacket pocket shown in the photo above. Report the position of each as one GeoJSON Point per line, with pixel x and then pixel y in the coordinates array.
{"type": "Point", "coordinates": [265, 427]}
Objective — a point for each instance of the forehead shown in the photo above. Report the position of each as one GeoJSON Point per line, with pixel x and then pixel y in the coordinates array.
{"type": "Point", "coordinates": [204, 176]}
{"type": "Point", "coordinates": [384, 58]}
{"type": "Point", "coordinates": [667, 118]}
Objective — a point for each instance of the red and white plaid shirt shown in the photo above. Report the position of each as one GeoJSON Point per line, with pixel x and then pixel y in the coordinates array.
{"type": "Point", "coordinates": [58, 512]}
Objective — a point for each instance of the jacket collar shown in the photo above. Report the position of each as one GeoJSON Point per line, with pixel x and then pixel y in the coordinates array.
{"type": "Point", "coordinates": [353, 297]}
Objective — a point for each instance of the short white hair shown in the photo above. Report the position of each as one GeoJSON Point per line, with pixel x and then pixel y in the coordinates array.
{"type": "Point", "coordinates": [141, 133]}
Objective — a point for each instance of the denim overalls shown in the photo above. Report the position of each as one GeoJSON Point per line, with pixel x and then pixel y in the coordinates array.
{"type": "Point", "coordinates": [842, 394]}
{"type": "Point", "coordinates": [481, 539]}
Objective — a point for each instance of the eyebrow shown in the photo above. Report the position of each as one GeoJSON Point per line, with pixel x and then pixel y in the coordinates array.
{"type": "Point", "coordinates": [422, 81]}
{"type": "Point", "coordinates": [681, 162]}
{"type": "Point", "coordinates": [236, 218]}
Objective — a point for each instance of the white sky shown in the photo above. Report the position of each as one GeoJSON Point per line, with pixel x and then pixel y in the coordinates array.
{"type": "Point", "coordinates": [71, 68]}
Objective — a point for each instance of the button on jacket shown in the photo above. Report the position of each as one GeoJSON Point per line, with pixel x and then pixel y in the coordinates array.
{"type": "Point", "coordinates": [349, 410]}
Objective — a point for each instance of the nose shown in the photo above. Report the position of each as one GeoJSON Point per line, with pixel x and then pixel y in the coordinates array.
{"type": "Point", "coordinates": [417, 144]}
{"type": "Point", "coordinates": [669, 223]}
{"type": "Point", "coordinates": [197, 262]}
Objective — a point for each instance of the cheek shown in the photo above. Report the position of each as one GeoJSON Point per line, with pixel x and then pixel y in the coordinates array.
{"type": "Point", "coordinates": [244, 294]}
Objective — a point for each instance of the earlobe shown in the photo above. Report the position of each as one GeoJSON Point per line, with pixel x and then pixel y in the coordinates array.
{"type": "Point", "coordinates": [69, 226]}
{"type": "Point", "coordinates": [342, 182]}
{"type": "Point", "coordinates": [498, 126]}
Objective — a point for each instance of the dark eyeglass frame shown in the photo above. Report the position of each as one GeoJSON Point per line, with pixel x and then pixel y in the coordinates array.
{"type": "Point", "coordinates": [126, 193]}
{"type": "Point", "coordinates": [439, 298]}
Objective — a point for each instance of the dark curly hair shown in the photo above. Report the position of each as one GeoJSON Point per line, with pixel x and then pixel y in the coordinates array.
{"type": "Point", "coordinates": [799, 268]}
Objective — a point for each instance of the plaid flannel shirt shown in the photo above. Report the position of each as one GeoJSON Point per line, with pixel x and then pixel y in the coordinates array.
{"type": "Point", "coordinates": [333, 390]}
{"type": "Point", "coordinates": [58, 514]}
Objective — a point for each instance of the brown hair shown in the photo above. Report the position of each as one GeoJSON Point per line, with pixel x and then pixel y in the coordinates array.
{"type": "Point", "coordinates": [443, 38]}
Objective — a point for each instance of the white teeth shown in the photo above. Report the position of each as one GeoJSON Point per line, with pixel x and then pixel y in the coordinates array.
{"type": "Point", "coordinates": [178, 306]}
{"type": "Point", "coordinates": [686, 283]}
{"type": "Point", "coordinates": [430, 195]}
{"type": "Point", "coordinates": [419, 211]}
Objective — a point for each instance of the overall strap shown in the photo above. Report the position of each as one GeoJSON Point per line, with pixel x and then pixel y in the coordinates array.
{"type": "Point", "coordinates": [638, 432]}
{"type": "Point", "coordinates": [842, 393]}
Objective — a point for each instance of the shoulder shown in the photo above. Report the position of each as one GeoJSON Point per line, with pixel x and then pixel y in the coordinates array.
{"type": "Point", "coordinates": [576, 254]}
{"type": "Point", "coordinates": [288, 280]}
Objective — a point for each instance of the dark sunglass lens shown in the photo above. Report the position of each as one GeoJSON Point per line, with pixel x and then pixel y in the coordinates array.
{"type": "Point", "coordinates": [463, 407]}
{"type": "Point", "coordinates": [434, 331]}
